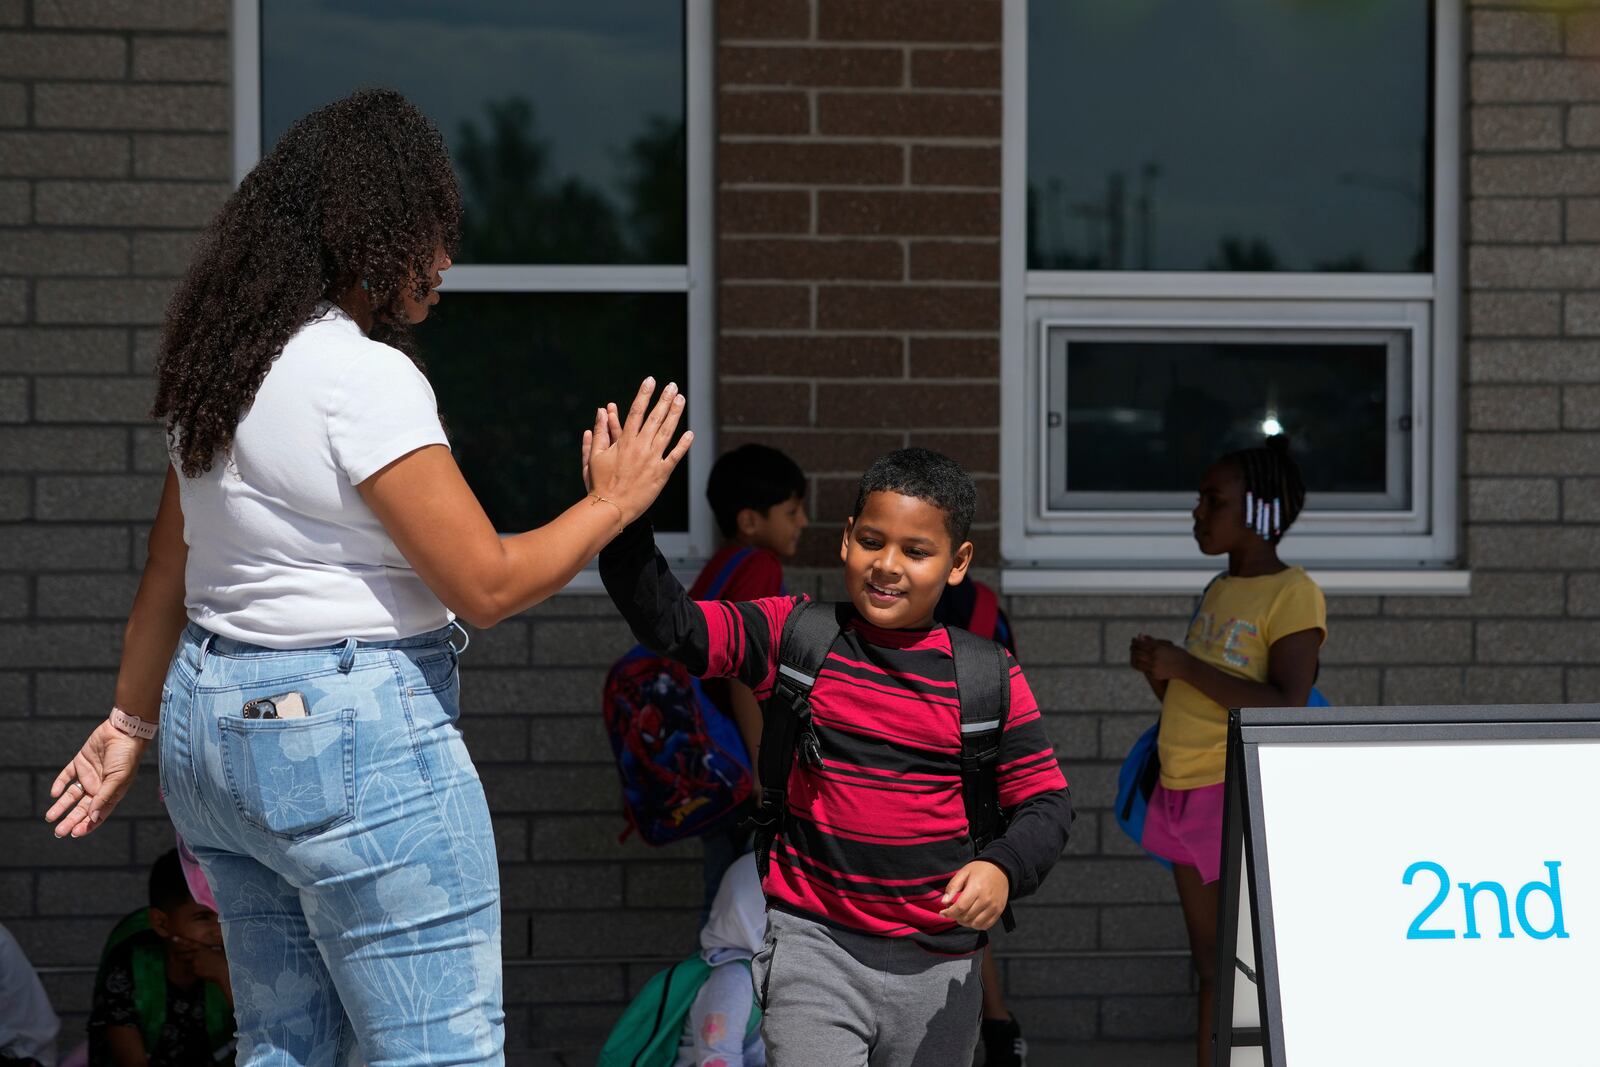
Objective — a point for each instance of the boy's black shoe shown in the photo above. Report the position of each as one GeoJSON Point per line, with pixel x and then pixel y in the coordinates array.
{"type": "Point", "coordinates": [1003, 1045]}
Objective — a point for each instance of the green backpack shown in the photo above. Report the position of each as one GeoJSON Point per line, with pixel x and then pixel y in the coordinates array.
{"type": "Point", "coordinates": [148, 959]}
{"type": "Point", "coordinates": [651, 1027]}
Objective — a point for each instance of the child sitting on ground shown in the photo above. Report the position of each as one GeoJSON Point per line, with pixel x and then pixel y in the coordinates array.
{"type": "Point", "coordinates": [718, 1031]}
{"type": "Point", "coordinates": [162, 996]}
{"type": "Point", "coordinates": [758, 496]}
{"type": "Point", "coordinates": [878, 896]}
{"type": "Point", "coordinates": [701, 1012]}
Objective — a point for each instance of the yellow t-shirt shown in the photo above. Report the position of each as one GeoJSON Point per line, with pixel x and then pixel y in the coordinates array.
{"type": "Point", "coordinates": [1237, 623]}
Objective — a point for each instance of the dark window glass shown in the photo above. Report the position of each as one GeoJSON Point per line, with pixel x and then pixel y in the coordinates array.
{"type": "Point", "coordinates": [518, 376]}
{"type": "Point", "coordinates": [1134, 423]}
{"type": "Point", "coordinates": [1247, 135]}
{"type": "Point", "coordinates": [565, 120]}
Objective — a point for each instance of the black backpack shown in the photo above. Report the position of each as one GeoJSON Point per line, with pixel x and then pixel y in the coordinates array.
{"type": "Point", "coordinates": [983, 686]}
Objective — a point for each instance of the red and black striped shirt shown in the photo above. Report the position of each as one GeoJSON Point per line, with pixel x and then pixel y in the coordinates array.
{"type": "Point", "coordinates": [873, 835]}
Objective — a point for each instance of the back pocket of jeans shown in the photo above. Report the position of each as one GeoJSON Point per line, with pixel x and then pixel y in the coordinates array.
{"type": "Point", "coordinates": [291, 777]}
{"type": "Point", "coordinates": [438, 671]}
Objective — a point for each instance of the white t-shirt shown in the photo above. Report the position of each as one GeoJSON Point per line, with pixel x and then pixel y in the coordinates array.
{"type": "Point", "coordinates": [28, 1026]}
{"type": "Point", "coordinates": [283, 552]}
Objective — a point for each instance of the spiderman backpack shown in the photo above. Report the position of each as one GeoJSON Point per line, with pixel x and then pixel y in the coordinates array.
{"type": "Point", "coordinates": [683, 765]}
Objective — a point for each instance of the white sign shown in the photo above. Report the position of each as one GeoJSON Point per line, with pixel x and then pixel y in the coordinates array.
{"type": "Point", "coordinates": [1434, 901]}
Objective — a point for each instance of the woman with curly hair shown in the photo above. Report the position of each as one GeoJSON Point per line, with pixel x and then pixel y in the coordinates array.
{"type": "Point", "coordinates": [292, 632]}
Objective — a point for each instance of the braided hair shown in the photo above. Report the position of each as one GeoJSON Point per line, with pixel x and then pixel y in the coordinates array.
{"type": "Point", "coordinates": [1274, 491]}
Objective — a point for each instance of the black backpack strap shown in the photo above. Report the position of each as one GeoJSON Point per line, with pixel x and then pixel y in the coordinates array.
{"type": "Point", "coordinates": [787, 732]}
{"type": "Point", "coordinates": [983, 685]}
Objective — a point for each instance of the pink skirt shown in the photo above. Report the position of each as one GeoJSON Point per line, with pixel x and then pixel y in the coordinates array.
{"type": "Point", "coordinates": [1185, 826]}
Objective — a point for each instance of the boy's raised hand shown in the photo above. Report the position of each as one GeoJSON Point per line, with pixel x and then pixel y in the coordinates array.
{"type": "Point", "coordinates": [623, 461]}
{"type": "Point", "coordinates": [977, 895]}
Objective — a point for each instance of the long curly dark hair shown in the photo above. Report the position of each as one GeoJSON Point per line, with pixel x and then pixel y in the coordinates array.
{"type": "Point", "coordinates": [358, 191]}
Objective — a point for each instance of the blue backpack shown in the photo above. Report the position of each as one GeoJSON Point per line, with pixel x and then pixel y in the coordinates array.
{"type": "Point", "coordinates": [682, 762]}
{"type": "Point", "coordinates": [1141, 768]}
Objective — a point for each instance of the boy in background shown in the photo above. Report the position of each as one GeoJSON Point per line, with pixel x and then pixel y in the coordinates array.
{"type": "Point", "coordinates": [975, 607]}
{"type": "Point", "coordinates": [758, 495]}
{"type": "Point", "coordinates": [876, 893]}
{"type": "Point", "coordinates": [162, 997]}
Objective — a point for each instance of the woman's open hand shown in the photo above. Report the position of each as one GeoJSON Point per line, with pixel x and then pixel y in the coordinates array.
{"type": "Point", "coordinates": [628, 462]}
{"type": "Point", "coordinates": [94, 782]}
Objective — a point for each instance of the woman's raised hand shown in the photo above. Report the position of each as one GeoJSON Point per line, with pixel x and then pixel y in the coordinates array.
{"type": "Point", "coordinates": [628, 461]}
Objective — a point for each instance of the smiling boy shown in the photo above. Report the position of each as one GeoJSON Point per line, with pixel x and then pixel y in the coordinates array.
{"type": "Point", "coordinates": [163, 996]}
{"type": "Point", "coordinates": [878, 897]}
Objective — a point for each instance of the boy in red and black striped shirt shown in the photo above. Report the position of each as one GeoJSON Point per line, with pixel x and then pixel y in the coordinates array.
{"type": "Point", "coordinates": [878, 903]}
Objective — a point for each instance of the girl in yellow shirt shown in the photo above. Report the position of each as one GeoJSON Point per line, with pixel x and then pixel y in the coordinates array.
{"type": "Point", "coordinates": [1253, 643]}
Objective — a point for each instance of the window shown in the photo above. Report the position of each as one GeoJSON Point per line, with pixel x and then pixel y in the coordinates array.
{"type": "Point", "coordinates": [581, 137]}
{"type": "Point", "coordinates": [1247, 135]}
{"type": "Point", "coordinates": [1224, 220]}
{"type": "Point", "coordinates": [1134, 416]}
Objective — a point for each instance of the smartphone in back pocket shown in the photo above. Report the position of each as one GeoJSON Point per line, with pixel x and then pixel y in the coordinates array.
{"type": "Point", "coordinates": [283, 706]}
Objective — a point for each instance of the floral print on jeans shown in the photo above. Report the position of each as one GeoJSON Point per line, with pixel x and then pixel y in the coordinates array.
{"type": "Point", "coordinates": [350, 851]}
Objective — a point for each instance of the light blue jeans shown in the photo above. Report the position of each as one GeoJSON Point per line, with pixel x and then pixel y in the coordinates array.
{"type": "Point", "coordinates": [350, 851]}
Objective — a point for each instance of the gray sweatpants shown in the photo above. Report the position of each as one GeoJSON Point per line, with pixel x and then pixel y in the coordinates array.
{"type": "Point", "coordinates": [851, 1000]}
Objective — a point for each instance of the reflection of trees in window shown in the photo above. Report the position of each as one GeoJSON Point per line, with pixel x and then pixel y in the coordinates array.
{"type": "Point", "coordinates": [656, 191]}
{"type": "Point", "coordinates": [517, 212]}
{"type": "Point", "coordinates": [518, 374]}
{"type": "Point", "coordinates": [1053, 219]}
{"type": "Point", "coordinates": [1049, 247]}
{"type": "Point", "coordinates": [1068, 230]}
{"type": "Point", "coordinates": [1418, 193]}
{"type": "Point", "coordinates": [1239, 253]}
{"type": "Point", "coordinates": [1354, 263]}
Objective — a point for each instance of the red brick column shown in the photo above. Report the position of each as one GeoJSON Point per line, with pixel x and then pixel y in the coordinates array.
{"type": "Point", "coordinates": [858, 213]}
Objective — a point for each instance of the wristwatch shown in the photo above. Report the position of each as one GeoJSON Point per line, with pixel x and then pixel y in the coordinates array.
{"type": "Point", "coordinates": [132, 725]}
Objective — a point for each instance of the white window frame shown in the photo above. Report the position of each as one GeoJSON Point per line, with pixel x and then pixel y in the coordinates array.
{"type": "Point", "coordinates": [1098, 551]}
{"type": "Point", "coordinates": [696, 278]}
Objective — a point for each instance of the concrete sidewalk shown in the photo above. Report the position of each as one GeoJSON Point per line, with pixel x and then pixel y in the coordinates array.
{"type": "Point", "coordinates": [1040, 1054]}
{"type": "Point", "coordinates": [1111, 1054]}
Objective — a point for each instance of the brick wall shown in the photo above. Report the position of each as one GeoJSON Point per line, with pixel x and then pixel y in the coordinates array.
{"type": "Point", "coordinates": [858, 213]}
{"type": "Point", "coordinates": [113, 148]}
{"type": "Point", "coordinates": [858, 168]}
{"type": "Point", "coordinates": [1530, 456]}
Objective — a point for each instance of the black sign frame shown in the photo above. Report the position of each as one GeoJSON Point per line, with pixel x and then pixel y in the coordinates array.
{"type": "Point", "coordinates": [1244, 831]}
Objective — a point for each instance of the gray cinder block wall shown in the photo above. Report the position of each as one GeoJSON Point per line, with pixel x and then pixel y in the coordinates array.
{"type": "Point", "coordinates": [114, 120]}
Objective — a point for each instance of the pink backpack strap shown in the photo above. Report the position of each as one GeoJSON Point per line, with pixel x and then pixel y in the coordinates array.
{"type": "Point", "coordinates": [199, 888]}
